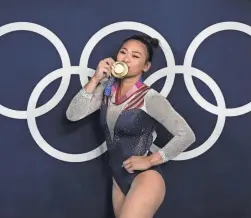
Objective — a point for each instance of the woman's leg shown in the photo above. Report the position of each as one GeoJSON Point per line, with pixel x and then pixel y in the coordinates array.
{"type": "Point", "coordinates": [145, 196]}
{"type": "Point", "coordinates": [118, 198]}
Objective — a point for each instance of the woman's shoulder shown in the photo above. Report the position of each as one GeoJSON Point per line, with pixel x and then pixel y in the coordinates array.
{"type": "Point", "coordinates": [152, 93]}
{"type": "Point", "coordinates": [154, 98]}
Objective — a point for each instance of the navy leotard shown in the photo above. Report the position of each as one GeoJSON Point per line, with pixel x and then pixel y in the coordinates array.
{"type": "Point", "coordinates": [129, 126]}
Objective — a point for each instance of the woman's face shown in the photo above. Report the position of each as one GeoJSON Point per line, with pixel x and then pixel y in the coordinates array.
{"type": "Point", "coordinates": [134, 54]}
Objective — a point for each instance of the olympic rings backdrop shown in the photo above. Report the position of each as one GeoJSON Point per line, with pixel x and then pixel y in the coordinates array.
{"type": "Point", "coordinates": [51, 167]}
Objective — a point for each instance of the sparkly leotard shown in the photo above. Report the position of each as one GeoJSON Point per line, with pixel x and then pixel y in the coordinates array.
{"type": "Point", "coordinates": [129, 125]}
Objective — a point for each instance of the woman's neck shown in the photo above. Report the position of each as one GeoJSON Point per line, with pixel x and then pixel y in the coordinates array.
{"type": "Point", "coordinates": [127, 83]}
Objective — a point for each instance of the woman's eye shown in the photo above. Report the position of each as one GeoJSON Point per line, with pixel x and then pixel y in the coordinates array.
{"type": "Point", "coordinates": [135, 56]}
{"type": "Point", "coordinates": [122, 52]}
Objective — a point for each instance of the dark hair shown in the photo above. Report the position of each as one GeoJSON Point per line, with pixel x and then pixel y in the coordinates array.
{"type": "Point", "coordinates": [148, 41]}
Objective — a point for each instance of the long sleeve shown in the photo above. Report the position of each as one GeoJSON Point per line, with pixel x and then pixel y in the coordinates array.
{"type": "Point", "coordinates": [162, 111]}
{"type": "Point", "coordinates": [83, 103]}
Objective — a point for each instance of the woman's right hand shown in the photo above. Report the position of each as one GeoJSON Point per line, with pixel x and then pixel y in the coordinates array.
{"type": "Point", "coordinates": [104, 69]}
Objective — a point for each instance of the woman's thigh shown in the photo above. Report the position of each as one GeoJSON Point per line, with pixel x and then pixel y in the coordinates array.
{"type": "Point", "coordinates": [118, 198]}
{"type": "Point", "coordinates": [146, 194]}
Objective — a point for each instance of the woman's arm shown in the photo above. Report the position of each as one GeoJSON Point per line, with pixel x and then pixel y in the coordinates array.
{"type": "Point", "coordinates": [90, 97]}
{"type": "Point", "coordinates": [86, 101]}
{"type": "Point", "coordinates": [162, 111]}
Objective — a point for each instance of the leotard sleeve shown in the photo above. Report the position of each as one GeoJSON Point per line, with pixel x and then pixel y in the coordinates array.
{"type": "Point", "coordinates": [84, 103]}
{"type": "Point", "coordinates": [162, 111]}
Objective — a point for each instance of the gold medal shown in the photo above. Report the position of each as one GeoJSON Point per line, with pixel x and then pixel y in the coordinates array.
{"type": "Point", "coordinates": [119, 69]}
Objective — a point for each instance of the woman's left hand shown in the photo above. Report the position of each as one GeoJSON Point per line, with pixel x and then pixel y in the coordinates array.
{"type": "Point", "coordinates": [137, 163]}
